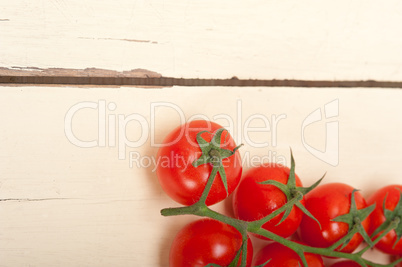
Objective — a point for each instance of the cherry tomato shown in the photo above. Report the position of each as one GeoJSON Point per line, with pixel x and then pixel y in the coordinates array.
{"type": "Point", "coordinates": [325, 203]}
{"type": "Point", "coordinates": [207, 241]}
{"type": "Point", "coordinates": [394, 258]}
{"type": "Point", "coordinates": [253, 201]}
{"type": "Point", "coordinates": [347, 263]}
{"type": "Point", "coordinates": [282, 256]}
{"type": "Point", "coordinates": [391, 194]}
{"type": "Point", "coordinates": [185, 183]}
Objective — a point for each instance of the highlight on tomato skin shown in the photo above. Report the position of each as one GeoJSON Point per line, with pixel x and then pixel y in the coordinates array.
{"type": "Point", "coordinates": [278, 255]}
{"type": "Point", "coordinates": [207, 241]}
{"type": "Point", "coordinates": [253, 201]}
{"type": "Point", "coordinates": [326, 202]}
{"type": "Point", "coordinates": [391, 194]}
{"type": "Point", "coordinates": [185, 183]}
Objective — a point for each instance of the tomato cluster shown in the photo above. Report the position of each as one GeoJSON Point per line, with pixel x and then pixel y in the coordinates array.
{"type": "Point", "coordinates": [325, 216]}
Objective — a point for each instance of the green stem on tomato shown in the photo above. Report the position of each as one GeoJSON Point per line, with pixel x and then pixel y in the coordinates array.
{"type": "Point", "coordinates": [204, 211]}
{"type": "Point", "coordinates": [244, 250]}
{"type": "Point", "coordinates": [344, 239]}
{"type": "Point", "coordinates": [394, 263]}
{"type": "Point", "coordinates": [201, 209]}
{"type": "Point", "coordinates": [259, 223]}
{"type": "Point", "coordinates": [208, 186]}
{"type": "Point", "coordinates": [196, 208]}
{"type": "Point", "coordinates": [300, 248]}
{"type": "Point", "coordinates": [390, 227]}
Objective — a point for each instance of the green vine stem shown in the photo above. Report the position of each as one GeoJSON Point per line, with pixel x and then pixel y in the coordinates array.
{"type": "Point", "coordinates": [243, 227]}
{"type": "Point", "coordinates": [201, 209]}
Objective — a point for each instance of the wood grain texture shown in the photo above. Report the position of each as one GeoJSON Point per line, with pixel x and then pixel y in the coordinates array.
{"type": "Point", "coordinates": [307, 40]}
{"type": "Point", "coordinates": [88, 72]}
{"type": "Point", "coordinates": [63, 204]}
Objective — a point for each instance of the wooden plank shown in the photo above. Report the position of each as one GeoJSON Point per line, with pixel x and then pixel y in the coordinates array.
{"type": "Point", "coordinates": [306, 40]}
{"type": "Point", "coordinates": [77, 180]}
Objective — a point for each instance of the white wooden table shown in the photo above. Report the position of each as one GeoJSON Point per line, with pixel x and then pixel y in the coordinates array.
{"type": "Point", "coordinates": [77, 180]}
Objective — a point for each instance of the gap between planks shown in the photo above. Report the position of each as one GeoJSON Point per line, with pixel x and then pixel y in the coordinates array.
{"type": "Point", "coordinates": [34, 76]}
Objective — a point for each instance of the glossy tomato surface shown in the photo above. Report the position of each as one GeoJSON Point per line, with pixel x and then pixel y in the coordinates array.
{"type": "Point", "coordinates": [281, 256]}
{"type": "Point", "coordinates": [207, 241]}
{"type": "Point", "coordinates": [325, 203]}
{"type": "Point", "coordinates": [253, 201]}
{"type": "Point", "coordinates": [391, 194]}
{"type": "Point", "coordinates": [346, 263]}
{"type": "Point", "coordinates": [185, 183]}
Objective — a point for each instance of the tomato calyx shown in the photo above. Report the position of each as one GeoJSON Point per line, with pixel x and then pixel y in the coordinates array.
{"type": "Point", "coordinates": [354, 219]}
{"type": "Point", "coordinates": [392, 220]}
{"type": "Point", "coordinates": [294, 194]}
{"type": "Point", "coordinates": [213, 153]}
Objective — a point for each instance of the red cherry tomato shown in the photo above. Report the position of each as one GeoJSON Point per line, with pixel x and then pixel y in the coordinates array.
{"type": "Point", "coordinates": [207, 241]}
{"type": "Point", "coordinates": [394, 258]}
{"type": "Point", "coordinates": [391, 193]}
{"type": "Point", "coordinates": [282, 256]}
{"type": "Point", "coordinates": [253, 201]}
{"type": "Point", "coordinates": [346, 264]}
{"type": "Point", "coordinates": [325, 203]}
{"type": "Point", "coordinates": [185, 183]}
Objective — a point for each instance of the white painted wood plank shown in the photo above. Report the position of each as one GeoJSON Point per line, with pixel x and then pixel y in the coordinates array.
{"type": "Point", "coordinates": [208, 39]}
{"type": "Point", "coordinates": [76, 206]}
